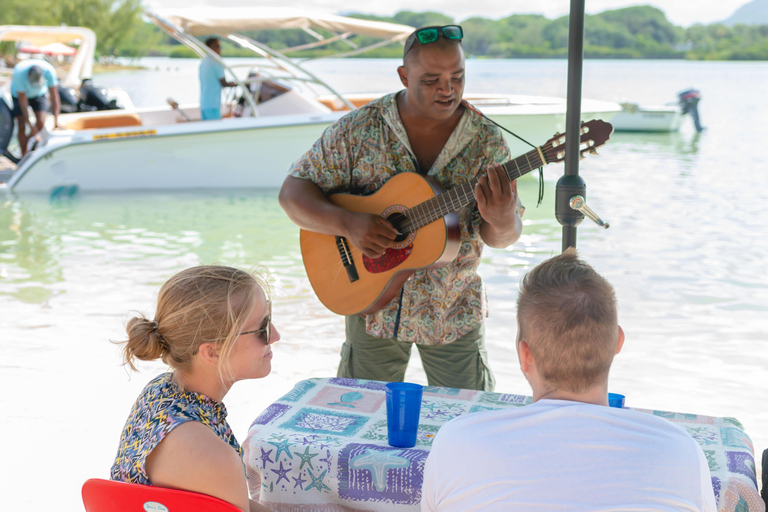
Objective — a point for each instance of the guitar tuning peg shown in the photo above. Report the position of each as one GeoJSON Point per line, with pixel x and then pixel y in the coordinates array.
{"type": "Point", "coordinates": [593, 151]}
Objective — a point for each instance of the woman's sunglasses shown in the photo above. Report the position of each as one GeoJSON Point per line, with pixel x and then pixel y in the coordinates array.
{"type": "Point", "coordinates": [428, 35]}
{"type": "Point", "coordinates": [265, 327]}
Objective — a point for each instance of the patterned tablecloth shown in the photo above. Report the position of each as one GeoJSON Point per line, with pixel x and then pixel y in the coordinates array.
{"type": "Point", "coordinates": [323, 447]}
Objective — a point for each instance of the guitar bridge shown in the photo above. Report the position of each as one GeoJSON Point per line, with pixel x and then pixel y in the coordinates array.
{"type": "Point", "coordinates": [346, 258]}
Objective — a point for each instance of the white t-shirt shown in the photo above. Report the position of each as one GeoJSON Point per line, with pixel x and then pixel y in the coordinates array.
{"type": "Point", "coordinates": [565, 456]}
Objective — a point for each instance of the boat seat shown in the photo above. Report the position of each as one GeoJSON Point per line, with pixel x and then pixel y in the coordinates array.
{"type": "Point", "coordinates": [104, 121]}
{"type": "Point", "coordinates": [336, 104]}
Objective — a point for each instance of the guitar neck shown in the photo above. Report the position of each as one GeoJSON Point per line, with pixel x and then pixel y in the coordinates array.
{"type": "Point", "coordinates": [464, 194]}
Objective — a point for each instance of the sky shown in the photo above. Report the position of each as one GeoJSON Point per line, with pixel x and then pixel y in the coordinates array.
{"type": "Point", "coordinates": [679, 12]}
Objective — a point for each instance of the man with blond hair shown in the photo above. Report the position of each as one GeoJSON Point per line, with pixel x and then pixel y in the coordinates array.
{"type": "Point", "coordinates": [567, 450]}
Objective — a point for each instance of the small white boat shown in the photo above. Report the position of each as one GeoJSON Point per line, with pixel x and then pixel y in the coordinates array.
{"type": "Point", "coordinates": [636, 118]}
{"type": "Point", "coordinates": [661, 118]}
{"type": "Point", "coordinates": [168, 147]}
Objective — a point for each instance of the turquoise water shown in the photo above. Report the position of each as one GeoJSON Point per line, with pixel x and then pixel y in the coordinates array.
{"type": "Point", "coordinates": [686, 252]}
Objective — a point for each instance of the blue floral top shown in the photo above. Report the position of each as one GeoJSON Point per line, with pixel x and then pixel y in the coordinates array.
{"type": "Point", "coordinates": [161, 407]}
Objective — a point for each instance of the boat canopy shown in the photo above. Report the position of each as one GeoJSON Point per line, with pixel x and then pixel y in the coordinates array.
{"type": "Point", "coordinates": [82, 65]}
{"type": "Point", "coordinates": [210, 20]}
{"type": "Point", "coordinates": [186, 25]}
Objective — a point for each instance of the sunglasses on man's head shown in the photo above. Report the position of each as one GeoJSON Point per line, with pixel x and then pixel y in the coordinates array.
{"type": "Point", "coordinates": [265, 327]}
{"type": "Point", "coordinates": [428, 35]}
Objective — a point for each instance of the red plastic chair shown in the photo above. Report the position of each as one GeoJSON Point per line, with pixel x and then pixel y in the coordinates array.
{"type": "Point", "coordinates": [110, 496]}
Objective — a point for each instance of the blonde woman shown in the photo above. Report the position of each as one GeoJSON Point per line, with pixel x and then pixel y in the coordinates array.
{"type": "Point", "coordinates": [213, 328]}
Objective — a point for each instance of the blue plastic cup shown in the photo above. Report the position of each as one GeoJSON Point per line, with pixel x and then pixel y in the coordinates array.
{"type": "Point", "coordinates": [615, 400]}
{"type": "Point", "coordinates": [403, 410]}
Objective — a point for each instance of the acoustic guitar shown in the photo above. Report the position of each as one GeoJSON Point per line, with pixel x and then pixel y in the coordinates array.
{"type": "Point", "coordinates": [350, 283]}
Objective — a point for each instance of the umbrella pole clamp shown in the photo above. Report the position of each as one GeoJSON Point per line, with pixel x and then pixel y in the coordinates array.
{"type": "Point", "coordinates": [571, 204]}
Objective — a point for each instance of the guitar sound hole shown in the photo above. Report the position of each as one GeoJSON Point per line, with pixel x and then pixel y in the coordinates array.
{"type": "Point", "coordinates": [398, 220]}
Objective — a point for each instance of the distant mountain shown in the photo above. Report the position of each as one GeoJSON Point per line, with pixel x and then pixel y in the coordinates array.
{"type": "Point", "coordinates": [753, 13]}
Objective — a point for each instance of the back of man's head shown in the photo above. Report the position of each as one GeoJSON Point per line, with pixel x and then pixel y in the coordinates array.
{"type": "Point", "coordinates": [35, 75]}
{"type": "Point", "coordinates": [566, 314]}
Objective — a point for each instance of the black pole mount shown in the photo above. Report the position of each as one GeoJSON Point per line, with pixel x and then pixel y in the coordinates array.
{"type": "Point", "coordinates": [567, 188]}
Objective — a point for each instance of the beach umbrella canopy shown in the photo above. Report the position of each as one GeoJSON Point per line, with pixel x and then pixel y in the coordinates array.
{"type": "Point", "coordinates": [58, 49]}
{"type": "Point", "coordinates": [29, 49]}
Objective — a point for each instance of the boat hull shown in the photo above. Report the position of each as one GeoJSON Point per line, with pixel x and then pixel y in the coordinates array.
{"type": "Point", "coordinates": [230, 153]}
{"type": "Point", "coordinates": [648, 119]}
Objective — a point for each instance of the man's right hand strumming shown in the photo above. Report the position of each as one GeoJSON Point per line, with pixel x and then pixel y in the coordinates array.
{"type": "Point", "coordinates": [308, 207]}
{"type": "Point", "coordinates": [370, 233]}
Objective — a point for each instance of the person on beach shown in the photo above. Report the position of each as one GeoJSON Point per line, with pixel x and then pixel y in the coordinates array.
{"type": "Point", "coordinates": [212, 81]}
{"type": "Point", "coordinates": [425, 128]}
{"type": "Point", "coordinates": [567, 450]}
{"type": "Point", "coordinates": [213, 328]}
{"type": "Point", "coordinates": [31, 81]}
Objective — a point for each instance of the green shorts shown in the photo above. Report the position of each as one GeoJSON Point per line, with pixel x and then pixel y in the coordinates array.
{"type": "Point", "coordinates": [461, 364]}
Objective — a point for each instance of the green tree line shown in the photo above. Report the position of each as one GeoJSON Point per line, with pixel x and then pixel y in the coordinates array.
{"type": "Point", "coordinates": [632, 32]}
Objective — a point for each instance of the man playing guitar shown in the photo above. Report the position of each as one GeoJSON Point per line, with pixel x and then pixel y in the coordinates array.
{"type": "Point", "coordinates": [425, 128]}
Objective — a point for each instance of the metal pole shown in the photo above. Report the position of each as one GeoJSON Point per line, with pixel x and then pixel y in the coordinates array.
{"type": "Point", "coordinates": [571, 183]}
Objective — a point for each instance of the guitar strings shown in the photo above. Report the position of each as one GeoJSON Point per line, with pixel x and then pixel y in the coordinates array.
{"type": "Point", "coordinates": [431, 210]}
{"type": "Point", "coordinates": [424, 213]}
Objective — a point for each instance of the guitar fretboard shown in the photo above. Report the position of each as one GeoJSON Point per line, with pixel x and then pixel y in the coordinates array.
{"type": "Point", "coordinates": [464, 194]}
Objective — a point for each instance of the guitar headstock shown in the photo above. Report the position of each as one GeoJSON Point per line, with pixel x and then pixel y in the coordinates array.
{"type": "Point", "coordinates": [594, 134]}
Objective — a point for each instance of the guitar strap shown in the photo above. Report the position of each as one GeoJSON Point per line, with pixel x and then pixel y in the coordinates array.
{"type": "Point", "coordinates": [541, 169]}
{"type": "Point", "coordinates": [399, 309]}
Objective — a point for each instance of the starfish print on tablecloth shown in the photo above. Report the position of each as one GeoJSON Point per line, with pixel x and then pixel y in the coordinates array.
{"type": "Point", "coordinates": [306, 458]}
{"type": "Point", "coordinates": [378, 462]}
{"type": "Point", "coordinates": [428, 405]}
{"type": "Point", "coordinates": [265, 458]}
{"type": "Point", "coordinates": [298, 482]}
{"type": "Point", "coordinates": [327, 442]}
{"type": "Point", "coordinates": [282, 446]}
{"type": "Point", "coordinates": [281, 473]}
{"type": "Point", "coordinates": [327, 458]}
{"type": "Point", "coordinates": [438, 390]}
{"type": "Point", "coordinates": [317, 481]}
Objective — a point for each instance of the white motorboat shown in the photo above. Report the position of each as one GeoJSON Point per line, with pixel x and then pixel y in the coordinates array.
{"type": "Point", "coordinates": [76, 90]}
{"type": "Point", "coordinates": [255, 143]}
{"type": "Point", "coordinates": [660, 118]}
{"type": "Point", "coordinates": [636, 118]}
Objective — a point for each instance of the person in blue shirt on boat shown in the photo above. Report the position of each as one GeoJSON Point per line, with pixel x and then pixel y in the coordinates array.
{"type": "Point", "coordinates": [32, 79]}
{"type": "Point", "coordinates": [567, 450]}
{"type": "Point", "coordinates": [211, 82]}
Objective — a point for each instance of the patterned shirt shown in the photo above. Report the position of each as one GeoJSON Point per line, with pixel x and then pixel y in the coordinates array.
{"type": "Point", "coordinates": [161, 407]}
{"type": "Point", "coordinates": [364, 149]}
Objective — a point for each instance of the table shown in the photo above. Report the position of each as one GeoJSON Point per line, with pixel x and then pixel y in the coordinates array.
{"type": "Point", "coordinates": [323, 448]}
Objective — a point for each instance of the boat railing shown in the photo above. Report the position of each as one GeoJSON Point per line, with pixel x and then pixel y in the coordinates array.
{"type": "Point", "coordinates": [201, 49]}
{"type": "Point", "coordinates": [285, 63]}
{"type": "Point", "coordinates": [321, 42]}
{"type": "Point", "coordinates": [291, 67]}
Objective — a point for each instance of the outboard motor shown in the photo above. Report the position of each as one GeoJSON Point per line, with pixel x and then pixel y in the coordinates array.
{"type": "Point", "coordinates": [689, 103]}
{"type": "Point", "coordinates": [6, 130]}
{"type": "Point", "coordinates": [95, 96]}
{"type": "Point", "coordinates": [69, 99]}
